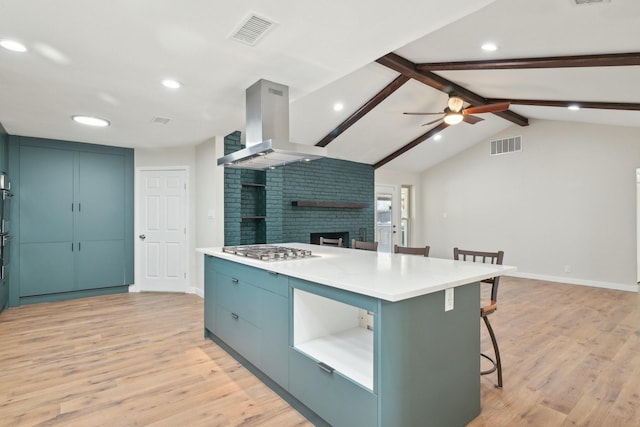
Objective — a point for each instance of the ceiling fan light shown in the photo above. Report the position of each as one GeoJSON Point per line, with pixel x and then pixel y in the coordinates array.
{"type": "Point", "coordinates": [453, 118]}
{"type": "Point", "coordinates": [455, 103]}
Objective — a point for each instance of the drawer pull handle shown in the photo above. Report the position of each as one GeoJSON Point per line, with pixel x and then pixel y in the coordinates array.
{"type": "Point", "coordinates": [328, 369]}
{"type": "Point", "coordinates": [273, 273]}
{"type": "Point", "coordinates": [235, 316]}
{"type": "Point", "coordinates": [234, 280]}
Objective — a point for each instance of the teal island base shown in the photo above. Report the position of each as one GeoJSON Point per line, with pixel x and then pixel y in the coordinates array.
{"type": "Point", "coordinates": [342, 358]}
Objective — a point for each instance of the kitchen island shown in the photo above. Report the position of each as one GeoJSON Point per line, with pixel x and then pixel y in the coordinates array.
{"type": "Point", "coordinates": [360, 338]}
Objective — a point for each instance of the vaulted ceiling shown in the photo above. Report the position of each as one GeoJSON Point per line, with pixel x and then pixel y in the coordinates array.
{"type": "Point", "coordinates": [108, 58]}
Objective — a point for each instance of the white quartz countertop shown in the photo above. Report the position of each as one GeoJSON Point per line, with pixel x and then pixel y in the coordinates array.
{"type": "Point", "coordinates": [391, 277]}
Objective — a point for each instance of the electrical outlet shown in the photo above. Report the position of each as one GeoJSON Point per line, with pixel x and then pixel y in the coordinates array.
{"type": "Point", "coordinates": [567, 268]}
{"type": "Point", "coordinates": [448, 299]}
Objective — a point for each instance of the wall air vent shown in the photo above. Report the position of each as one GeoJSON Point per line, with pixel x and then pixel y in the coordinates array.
{"type": "Point", "coordinates": [160, 120]}
{"type": "Point", "coordinates": [506, 145]}
{"type": "Point", "coordinates": [588, 2]}
{"type": "Point", "coordinates": [252, 29]}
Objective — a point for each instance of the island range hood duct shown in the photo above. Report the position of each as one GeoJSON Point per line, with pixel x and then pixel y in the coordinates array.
{"type": "Point", "coordinates": [267, 132]}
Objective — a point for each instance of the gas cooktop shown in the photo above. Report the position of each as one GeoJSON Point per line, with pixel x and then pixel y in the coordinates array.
{"type": "Point", "coordinates": [267, 252]}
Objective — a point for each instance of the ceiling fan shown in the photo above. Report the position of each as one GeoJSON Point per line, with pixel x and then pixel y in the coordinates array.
{"type": "Point", "coordinates": [454, 113]}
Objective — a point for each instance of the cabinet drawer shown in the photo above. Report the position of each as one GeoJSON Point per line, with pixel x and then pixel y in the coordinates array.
{"type": "Point", "coordinates": [335, 398]}
{"type": "Point", "coordinates": [238, 296]}
{"type": "Point", "coordinates": [239, 334]}
{"type": "Point", "coordinates": [264, 279]}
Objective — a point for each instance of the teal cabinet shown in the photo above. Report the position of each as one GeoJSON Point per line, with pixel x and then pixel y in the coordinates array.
{"type": "Point", "coordinates": [247, 308]}
{"type": "Point", "coordinates": [46, 260]}
{"type": "Point", "coordinates": [352, 359]}
{"type": "Point", "coordinates": [74, 218]}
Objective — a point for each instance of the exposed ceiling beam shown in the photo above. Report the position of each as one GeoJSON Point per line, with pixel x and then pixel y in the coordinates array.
{"type": "Point", "coordinates": [629, 106]}
{"type": "Point", "coordinates": [360, 112]}
{"type": "Point", "coordinates": [408, 68]}
{"type": "Point", "coordinates": [410, 145]}
{"type": "Point", "coordinates": [605, 60]}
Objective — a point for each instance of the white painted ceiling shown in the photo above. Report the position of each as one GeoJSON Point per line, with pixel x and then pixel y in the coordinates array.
{"type": "Point", "coordinates": [107, 58]}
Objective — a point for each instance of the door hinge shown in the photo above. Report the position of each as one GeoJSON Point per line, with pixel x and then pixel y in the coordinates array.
{"type": "Point", "coordinates": [185, 231]}
{"type": "Point", "coordinates": [185, 275]}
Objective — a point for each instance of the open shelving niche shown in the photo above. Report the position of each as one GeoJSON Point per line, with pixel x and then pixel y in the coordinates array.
{"type": "Point", "coordinates": [337, 334]}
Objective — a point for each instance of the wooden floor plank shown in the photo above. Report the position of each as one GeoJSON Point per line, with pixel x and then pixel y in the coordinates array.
{"type": "Point", "coordinates": [571, 357]}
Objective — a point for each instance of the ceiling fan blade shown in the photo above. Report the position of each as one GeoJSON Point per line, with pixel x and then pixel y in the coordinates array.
{"type": "Point", "coordinates": [422, 114]}
{"type": "Point", "coordinates": [472, 120]}
{"type": "Point", "coordinates": [489, 108]}
{"type": "Point", "coordinates": [432, 122]}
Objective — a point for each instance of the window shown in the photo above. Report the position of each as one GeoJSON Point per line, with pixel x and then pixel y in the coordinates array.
{"type": "Point", "coordinates": [405, 209]}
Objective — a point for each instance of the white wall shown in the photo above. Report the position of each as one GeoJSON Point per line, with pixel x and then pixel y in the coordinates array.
{"type": "Point", "coordinates": [209, 188]}
{"type": "Point", "coordinates": [400, 178]}
{"type": "Point", "coordinates": [568, 199]}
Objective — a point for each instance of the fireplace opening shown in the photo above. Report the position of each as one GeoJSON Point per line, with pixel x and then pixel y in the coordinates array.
{"type": "Point", "coordinates": [314, 238]}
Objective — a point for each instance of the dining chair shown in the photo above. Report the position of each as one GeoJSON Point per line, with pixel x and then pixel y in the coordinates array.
{"type": "Point", "coordinates": [367, 246]}
{"type": "Point", "coordinates": [486, 308]}
{"type": "Point", "coordinates": [331, 242]}
{"type": "Point", "coordinates": [411, 250]}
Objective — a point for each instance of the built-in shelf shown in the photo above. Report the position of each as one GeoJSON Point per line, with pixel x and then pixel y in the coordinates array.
{"type": "Point", "coordinates": [333, 332]}
{"type": "Point", "coordinates": [253, 217]}
{"type": "Point", "coordinates": [253, 184]}
{"type": "Point", "coordinates": [318, 204]}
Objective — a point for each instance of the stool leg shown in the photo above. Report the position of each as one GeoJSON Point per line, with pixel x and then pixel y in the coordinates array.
{"type": "Point", "coordinates": [496, 350]}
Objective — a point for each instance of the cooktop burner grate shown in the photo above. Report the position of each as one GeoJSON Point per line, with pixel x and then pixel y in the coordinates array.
{"type": "Point", "coordinates": [267, 252]}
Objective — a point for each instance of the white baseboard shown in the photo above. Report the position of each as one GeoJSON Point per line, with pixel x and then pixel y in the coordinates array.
{"type": "Point", "coordinates": [574, 281]}
{"type": "Point", "coordinates": [195, 290]}
{"type": "Point", "coordinates": [188, 290]}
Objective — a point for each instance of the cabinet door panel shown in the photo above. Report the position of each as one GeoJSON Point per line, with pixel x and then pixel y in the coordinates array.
{"type": "Point", "coordinates": [275, 337]}
{"type": "Point", "coordinates": [101, 197]}
{"type": "Point", "coordinates": [241, 335]}
{"type": "Point", "coordinates": [209, 292]}
{"type": "Point", "coordinates": [236, 295]}
{"type": "Point", "coordinates": [335, 398]}
{"type": "Point", "coordinates": [46, 195]}
{"type": "Point", "coordinates": [45, 268]}
{"type": "Point", "coordinates": [100, 264]}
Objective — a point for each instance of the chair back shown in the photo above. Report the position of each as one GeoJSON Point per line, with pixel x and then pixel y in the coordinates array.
{"type": "Point", "coordinates": [367, 246]}
{"type": "Point", "coordinates": [331, 242]}
{"type": "Point", "coordinates": [411, 251]}
{"type": "Point", "coordinates": [484, 257]}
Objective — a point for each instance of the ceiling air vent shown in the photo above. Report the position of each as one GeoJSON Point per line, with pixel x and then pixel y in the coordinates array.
{"type": "Point", "coordinates": [252, 29]}
{"type": "Point", "coordinates": [506, 145]}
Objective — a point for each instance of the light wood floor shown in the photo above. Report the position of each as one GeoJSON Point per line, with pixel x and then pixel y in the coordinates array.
{"type": "Point", "coordinates": [571, 357]}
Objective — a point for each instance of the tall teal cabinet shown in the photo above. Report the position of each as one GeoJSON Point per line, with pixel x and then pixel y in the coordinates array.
{"type": "Point", "coordinates": [4, 280]}
{"type": "Point", "coordinates": [73, 219]}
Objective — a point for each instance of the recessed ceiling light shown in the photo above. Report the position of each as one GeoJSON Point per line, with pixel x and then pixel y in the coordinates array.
{"type": "Point", "coordinates": [338, 106]}
{"type": "Point", "coordinates": [171, 84]}
{"type": "Point", "coordinates": [437, 137]}
{"type": "Point", "coordinates": [489, 47]}
{"type": "Point", "coordinates": [13, 45]}
{"type": "Point", "coordinates": [574, 107]}
{"type": "Point", "coordinates": [91, 121]}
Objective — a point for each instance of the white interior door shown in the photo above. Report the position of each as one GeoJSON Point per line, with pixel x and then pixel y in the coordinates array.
{"type": "Point", "coordinates": [162, 230]}
{"type": "Point", "coordinates": [387, 217]}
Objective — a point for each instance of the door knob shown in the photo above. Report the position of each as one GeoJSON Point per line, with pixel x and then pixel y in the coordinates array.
{"type": "Point", "coordinates": [142, 237]}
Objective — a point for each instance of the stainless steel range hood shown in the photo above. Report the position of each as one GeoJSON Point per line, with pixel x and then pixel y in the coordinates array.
{"type": "Point", "coordinates": [267, 131]}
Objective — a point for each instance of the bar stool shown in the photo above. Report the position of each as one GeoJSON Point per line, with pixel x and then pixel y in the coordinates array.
{"type": "Point", "coordinates": [367, 246]}
{"type": "Point", "coordinates": [492, 306]}
{"type": "Point", "coordinates": [411, 250]}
